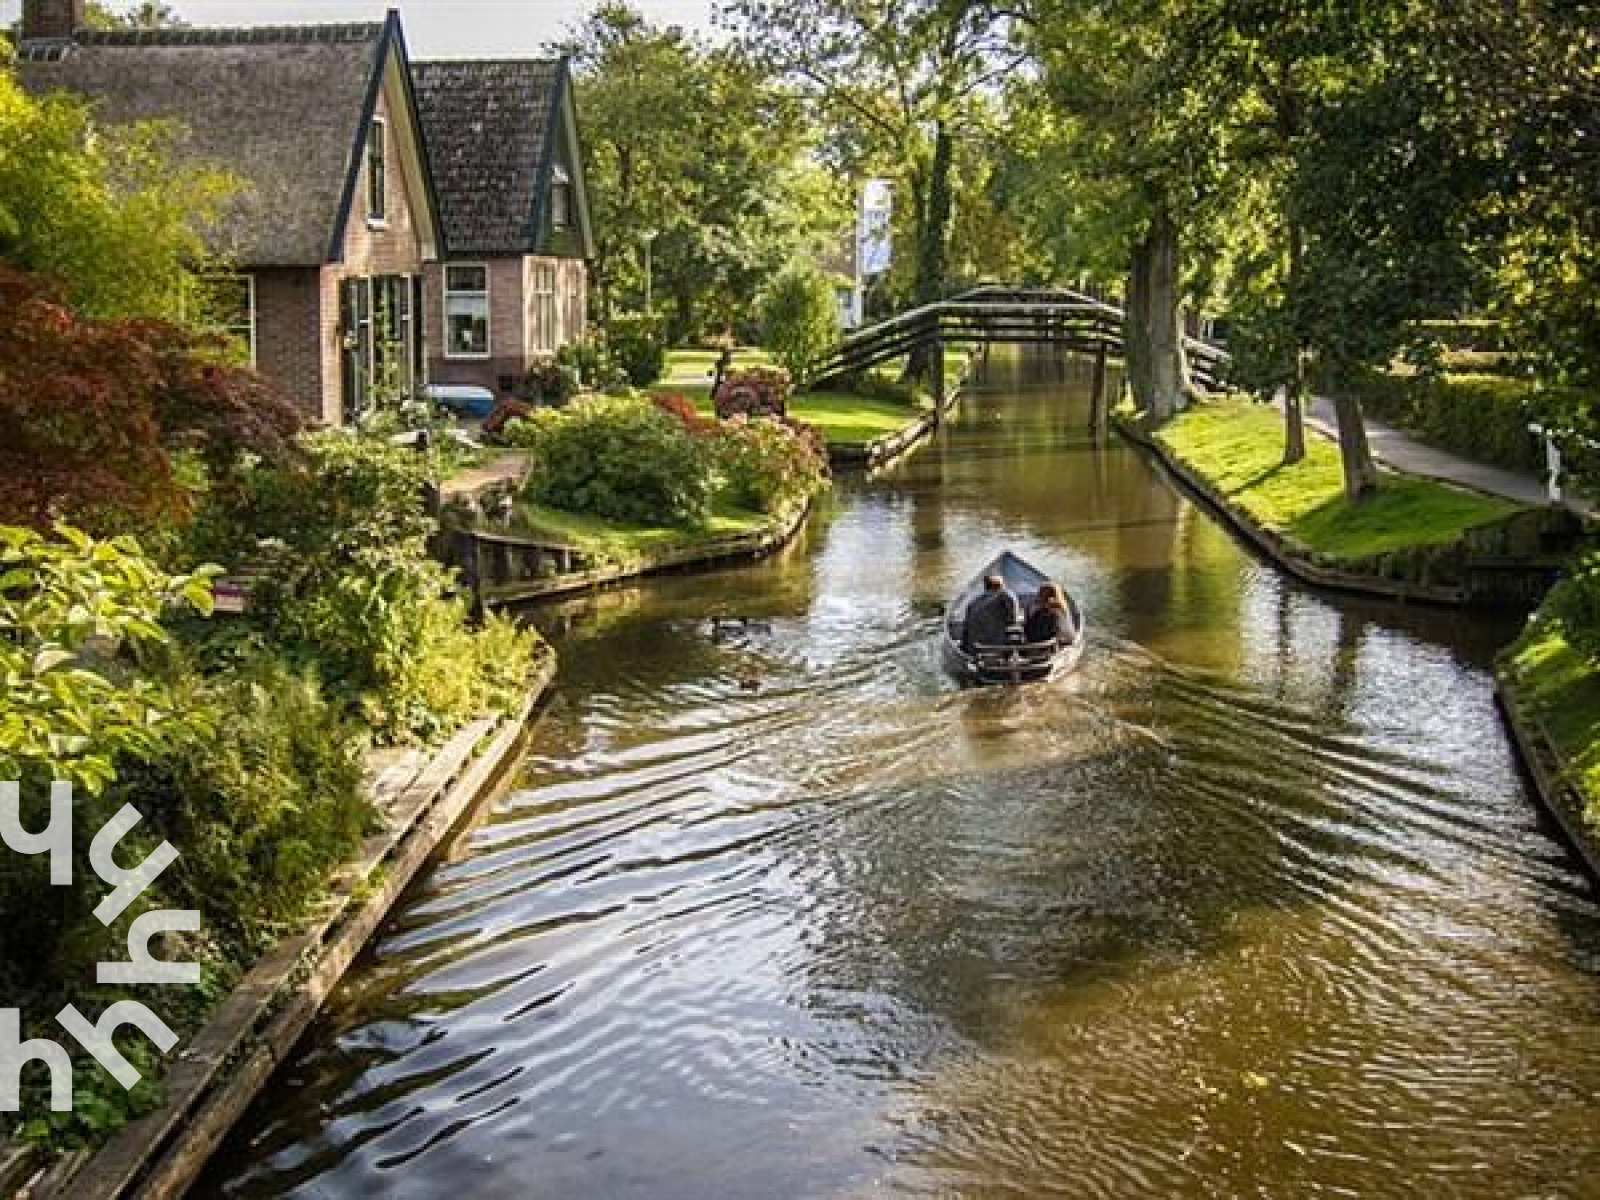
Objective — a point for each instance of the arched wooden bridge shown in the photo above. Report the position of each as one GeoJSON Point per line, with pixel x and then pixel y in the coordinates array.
{"type": "Point", "coordinates": [994, 315]}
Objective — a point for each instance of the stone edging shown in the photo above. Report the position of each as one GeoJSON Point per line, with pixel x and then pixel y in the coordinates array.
{"type": "Point", "coordinates": [738, 547]}
{"type": "Point", "coordinates": [230, 1060]}
{"type": "Point", "coordinates": [1547, 767]}
{"type": "Point", "coordinates": [1276, 548]}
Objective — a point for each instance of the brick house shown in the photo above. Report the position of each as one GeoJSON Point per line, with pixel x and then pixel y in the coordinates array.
{"type": "Point", "coordinates": [336, 215]}
{"type": "Point", "coordinates": [503, 143]}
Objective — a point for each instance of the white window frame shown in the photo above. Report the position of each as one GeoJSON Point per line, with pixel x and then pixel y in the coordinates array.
{"type": "Point", "coordinates": [488, 312]}
{"type": "Point", "coordinates": [250, 292]}
{"type": "Point", "coordinates": [184, 305]}
{"type": "Point", "coordinates": [560, 185]}
{"type": "Point", "coordinates": [378, 180]}
{"type": "Point", "coordinates": [544, 286]}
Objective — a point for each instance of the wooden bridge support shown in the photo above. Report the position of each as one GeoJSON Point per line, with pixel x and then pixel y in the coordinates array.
{"type": "Point", "coordinates": [936, 379]}
{"type": "Point", "coordinates": [1099, 403]}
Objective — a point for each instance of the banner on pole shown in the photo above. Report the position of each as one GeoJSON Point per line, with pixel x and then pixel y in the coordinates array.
{"type": "Point", "coordinates": [874, 243]}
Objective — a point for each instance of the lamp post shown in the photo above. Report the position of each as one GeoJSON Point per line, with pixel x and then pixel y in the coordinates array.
{"type": "Point", "coordinates": [648, 237]}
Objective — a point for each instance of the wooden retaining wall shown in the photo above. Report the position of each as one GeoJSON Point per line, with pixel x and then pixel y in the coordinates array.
{"type": "Point", "coordinates": [214, 1078]}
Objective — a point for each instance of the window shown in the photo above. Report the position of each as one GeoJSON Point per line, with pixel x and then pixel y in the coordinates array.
{"type": "Point", "coordinates": [466, 311]}
{"type": "Point", "coordinates": [376, 171]}
{"type": "Point", "coordinates": [560, 198]}
{"type": "Point", "coordinates": [542, 305]}
{"type": "Point", "coordinates": [225, 305]}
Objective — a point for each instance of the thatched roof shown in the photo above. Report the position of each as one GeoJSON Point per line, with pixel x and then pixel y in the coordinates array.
{"type": "Point", "coordinates": [284, 109]}
{"type": "Point", "coordinates": [489, 129]}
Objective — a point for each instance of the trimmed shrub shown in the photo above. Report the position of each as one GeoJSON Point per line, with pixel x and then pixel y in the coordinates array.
{"type": "Point", "coordinates": [626, 460]}
{"type": "Point", "coordinates": [799, 317]}
{"type": "Point", "coordinates": [767, 465]}
{"type": "Point", "coordinates": [754, 392]}
{"type": "Point", "coordinates": [637, 348]}
{"type": "Point", "coordinates": [1479, 416]}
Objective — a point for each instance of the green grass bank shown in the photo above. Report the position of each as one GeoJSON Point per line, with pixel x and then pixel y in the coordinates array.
{"type": "Point", "coordinates": [1237, 447]}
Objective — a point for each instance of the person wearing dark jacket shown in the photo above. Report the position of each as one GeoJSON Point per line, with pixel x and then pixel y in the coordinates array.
{"type": "Point", "coordinates": [1050, 620]}
{"type": "Point", "coordinates": [993, 616]}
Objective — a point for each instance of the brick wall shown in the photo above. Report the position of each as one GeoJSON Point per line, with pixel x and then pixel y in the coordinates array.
{"type": "Point", "coordinates": [392, 248]}
{"type": "Point", "coordinates": [507, 331]}
{"type": "Point", "coordinates": [288, 333]}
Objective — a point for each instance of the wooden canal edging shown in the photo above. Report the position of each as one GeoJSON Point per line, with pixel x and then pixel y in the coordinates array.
{"type": "Point", "coordinates": [1546, 767]}
{"type": "Point", "coordinates": [483, 548]}
{"type": "Point", "coordinates": [1472, 574]}
{"type": "Point", "coordinates": [882, 451]}
{"type": "Point", "coordinates": [213, 1079]}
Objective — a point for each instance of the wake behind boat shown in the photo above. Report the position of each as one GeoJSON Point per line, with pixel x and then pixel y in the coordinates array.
{"type": "Point", "coordinates": [1011, 661]}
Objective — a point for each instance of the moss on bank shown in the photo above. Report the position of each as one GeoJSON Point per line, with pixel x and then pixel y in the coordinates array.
{"type": "Point", "coordinates": [1560, 688]}
{"type": "Point", "coordinates": [1238, 446]}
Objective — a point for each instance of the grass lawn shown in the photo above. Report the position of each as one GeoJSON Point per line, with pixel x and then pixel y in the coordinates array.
{"type": "Point", "coordinates": [1238, 447]}
{"type": "Point", "coordinates": [1563, 689]}
{"type": "Point", "coordinates": [700, 363]}
{"type": "Point", "coordinates": [622, 541]}
{"type": "Point", "coordinates": [850, 420]}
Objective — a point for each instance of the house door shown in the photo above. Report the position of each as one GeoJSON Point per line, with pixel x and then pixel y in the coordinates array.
{"type": "Point", "coordinates": [355, 324]}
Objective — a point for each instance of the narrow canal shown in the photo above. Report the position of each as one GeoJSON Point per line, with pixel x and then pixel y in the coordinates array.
{"type": "Point", "coordinates": [1256, 904]}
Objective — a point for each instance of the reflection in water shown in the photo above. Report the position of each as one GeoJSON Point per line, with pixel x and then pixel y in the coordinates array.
{"type": "Point", "coordinates": [1253, 904]}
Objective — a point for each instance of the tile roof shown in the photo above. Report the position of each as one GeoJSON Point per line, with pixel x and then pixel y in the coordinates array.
{"type": "Point", "coordinates": [278, 107]}
{"type": "Point", "coordinates": [486, 124]}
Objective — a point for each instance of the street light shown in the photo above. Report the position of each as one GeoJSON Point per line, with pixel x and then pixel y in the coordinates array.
{"type": "Point", "coordinates": [648, 237]}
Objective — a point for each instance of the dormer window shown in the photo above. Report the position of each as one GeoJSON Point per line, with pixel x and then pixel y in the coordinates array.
{"type": "Point", "coordinates": [560, 198]}
{"type": "Point", "coordinates": [376, 172]}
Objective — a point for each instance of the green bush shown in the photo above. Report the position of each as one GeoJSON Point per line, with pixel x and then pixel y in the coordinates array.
{"type": "Point", "coordinates": [1574, 606]}
{"type": "Point", "coordinates": [637, 348]}
{"type": "Point", "coordinates": [353, 592]}
{"type": "Point", "coordinates": [622, 459]}
{"type": "Point", "coordinates": [799, 317]}
{"type": "Point", "coordinates": [592, 359]}
{"type": "Point", "coordinates": [262, 810]}
{"type": "Point", "coordinates": [1479, 416]}
{"type": "Point", "coordinates": [767, 465]}
{"type": "Point", "coordinates": [551, 381]}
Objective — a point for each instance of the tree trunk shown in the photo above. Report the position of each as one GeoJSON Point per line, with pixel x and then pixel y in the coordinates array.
{"type": "Point", "coordinates": [931, 246]}
{"type": "Point", "coordinates": [1294, 416]}
{"type": "Point", "coordinates": [1296, 390]}
{"type": "Point", "coordinates": [1158, 369]}
{"type": "Point", "coordinates": [1355, 454]}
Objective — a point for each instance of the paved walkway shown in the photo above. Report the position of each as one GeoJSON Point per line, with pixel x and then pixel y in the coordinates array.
{"type": "Point", "coordinates": [1404, 453]}
{"type": "Point", "coordinates": [506, 468]}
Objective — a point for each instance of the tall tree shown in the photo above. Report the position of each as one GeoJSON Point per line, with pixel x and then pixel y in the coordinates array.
{"type": "Point", "coordinates": [698, 167]}
{"type": "Point", "coordinates": [103, 209]}
{"type": "Point", "coordinates": [899, 79]}
{"type": "Point", "coordinates": [1139, 121]}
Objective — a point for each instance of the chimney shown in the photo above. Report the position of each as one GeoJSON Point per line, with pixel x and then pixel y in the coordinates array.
{"type": "Point", "coordinates": [52, 19]}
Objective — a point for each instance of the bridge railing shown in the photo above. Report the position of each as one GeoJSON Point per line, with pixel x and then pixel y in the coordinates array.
{"type": "Point", "coordinates": [996, 313]}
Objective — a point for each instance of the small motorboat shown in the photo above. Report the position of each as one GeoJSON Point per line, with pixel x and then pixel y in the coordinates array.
{"type": "Point", "coordinates": [1012, 662]}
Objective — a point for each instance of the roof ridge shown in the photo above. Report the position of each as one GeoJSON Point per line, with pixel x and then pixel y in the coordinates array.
{"type": "Point", "coordinates": [549, 61]}
{"type": "Point", "coordinates": [244, 35]}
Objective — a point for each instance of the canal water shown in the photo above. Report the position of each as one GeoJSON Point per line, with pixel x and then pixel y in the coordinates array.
{"type": "Point", "coordinates": [1255, 904]}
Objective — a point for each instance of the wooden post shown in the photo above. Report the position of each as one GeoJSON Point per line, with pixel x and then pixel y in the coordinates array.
{"type": "Point", "coordinates": [1099, 415]}
{"type": "Point", "coordinates": [936, 379]}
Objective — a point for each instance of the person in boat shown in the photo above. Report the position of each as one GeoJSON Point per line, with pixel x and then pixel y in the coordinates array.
{"type": "Point", "coordinates": [1051, 619]}
{"type": "Point", "coordinates": [992, 617]}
